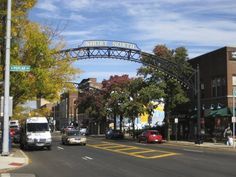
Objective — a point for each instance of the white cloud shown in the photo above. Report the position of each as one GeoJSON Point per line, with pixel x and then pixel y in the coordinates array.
{"type": "Point", "coordinates": [76, 33]}
{"type": "Point", "coordinates": [77, 4]}
{"type": "Point", "coordinates": [206, 23]}
{"type": "Point", "coordinates": [184, 22]}
{"type": "Point", "coordinates": [47, 5]}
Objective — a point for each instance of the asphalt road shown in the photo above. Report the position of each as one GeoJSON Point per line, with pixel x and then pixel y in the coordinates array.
{"type": "Point", "coordinates": [102, 158]}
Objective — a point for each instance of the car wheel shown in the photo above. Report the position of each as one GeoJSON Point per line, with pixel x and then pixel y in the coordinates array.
{"type": "Point", "coordinates": [49, 148]}
{"type": "Point", "coordinates": [84, 144]}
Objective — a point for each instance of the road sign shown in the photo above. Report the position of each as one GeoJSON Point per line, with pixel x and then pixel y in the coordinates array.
{"type": "Point", "coordinates": [176, 120]}
{"type": "Point", "coordinates": [2, 106]}
{"type": "Point", "coordinates": [233, 119]}
{"type": "Point", "coordinates": [20, 68]}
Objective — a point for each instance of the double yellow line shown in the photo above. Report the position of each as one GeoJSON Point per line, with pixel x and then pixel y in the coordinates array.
{"type": "Point", "coordinates": [134, 151]}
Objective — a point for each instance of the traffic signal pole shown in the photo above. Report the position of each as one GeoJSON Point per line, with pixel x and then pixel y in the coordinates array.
{"type": "Point", "coordinates": [198, 107]}
{"type": "Point", "coordinates": [5, 144]}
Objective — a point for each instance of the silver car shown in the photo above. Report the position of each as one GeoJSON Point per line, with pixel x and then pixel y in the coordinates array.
{"type": "Point", "coordinates": [73, 137]}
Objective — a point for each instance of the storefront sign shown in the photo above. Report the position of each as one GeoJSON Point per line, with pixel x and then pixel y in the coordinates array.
{"type": "Point", "coordinates": [176, 120]}
{"type": "Point", "coordinates": [233, 119]}
{"type": "Point", "coordinates": [101, 43]}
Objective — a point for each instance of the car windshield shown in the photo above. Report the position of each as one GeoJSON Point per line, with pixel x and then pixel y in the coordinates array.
{"type": "Point", "coordinates": [73, 133]}
{"type": "Point", "coordinates": [36, 127]}
{"type": "Point", "coordinates": [154, 133]}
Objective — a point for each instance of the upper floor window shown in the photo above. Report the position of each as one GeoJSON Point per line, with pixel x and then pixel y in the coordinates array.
{"type": "Point", "coordinates": [233, 55]}
{"type": "Point", "coordinates": [234, 80]}
{"type": "Point", "coordinates": [218, 87]}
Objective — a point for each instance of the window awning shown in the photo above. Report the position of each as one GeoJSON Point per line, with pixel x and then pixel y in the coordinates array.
{"type": "Point", "coordinates": [223, 112]}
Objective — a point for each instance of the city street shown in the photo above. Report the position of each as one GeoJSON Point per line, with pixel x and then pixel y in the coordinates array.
{"type": "Point", "coordinates": [115, 158]}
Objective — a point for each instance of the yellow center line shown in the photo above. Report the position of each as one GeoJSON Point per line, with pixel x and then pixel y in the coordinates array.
{"type": "Point", "coordinates": [122, 149]}
{"type": "Point", "coordinates": [162, 155]}
{"type": "Point", "coordinates": [103, 145]}
{"type": "Point", "coordinates": [126, 149]}
{"type": "Point", "coordinates": [111, 147]}
{"type": "Point", "coordinates": [142, 152]}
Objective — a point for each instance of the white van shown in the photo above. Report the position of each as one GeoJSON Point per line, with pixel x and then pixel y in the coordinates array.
{"type": "Point", "coordinates": [35, 133]}
{"type": "Point", "coordinates": [14, 124]}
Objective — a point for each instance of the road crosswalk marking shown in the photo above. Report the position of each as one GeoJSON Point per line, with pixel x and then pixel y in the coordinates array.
{"type": "Point", "coordinates": [134, 151]}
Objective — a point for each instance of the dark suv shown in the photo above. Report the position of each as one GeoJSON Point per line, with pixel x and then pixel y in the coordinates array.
{"type": "Point", "coordinates": [114, 134]}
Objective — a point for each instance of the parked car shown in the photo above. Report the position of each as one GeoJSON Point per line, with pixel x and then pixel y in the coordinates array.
{"type": "Point", "coordinates": [66, 128]}
{"type": "Point", "coordinates": [16, 137]}
{"type": "Point", "coordinates": [73, 137]}
{"type": "Point", "coordinates": [150, 136]}
{"type": "Point", "coordinates": [83, 131]}
{"type": "Point", "coordinates": [114, 134]}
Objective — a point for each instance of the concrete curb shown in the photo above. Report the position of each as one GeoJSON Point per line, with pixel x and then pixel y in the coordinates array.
{"type": "Point", "coordinates": [16, 162]}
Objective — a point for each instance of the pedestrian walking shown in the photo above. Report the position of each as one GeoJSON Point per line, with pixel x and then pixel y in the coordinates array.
{"type": "Point", "coordinates": [228, 134]}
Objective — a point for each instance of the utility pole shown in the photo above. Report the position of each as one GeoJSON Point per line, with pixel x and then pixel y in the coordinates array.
{"type": "Point", "coordinates": [5, 144]}
{"type": "Point", "coordinates": [198, 107]}
{"type": "Point", "coordinates": [233, 118]}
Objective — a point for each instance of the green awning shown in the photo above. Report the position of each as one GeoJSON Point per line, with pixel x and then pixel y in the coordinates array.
{"type": "Point", "coordinates": [223, 112]}
{"type": "Point", "coordinates": [231, 111]}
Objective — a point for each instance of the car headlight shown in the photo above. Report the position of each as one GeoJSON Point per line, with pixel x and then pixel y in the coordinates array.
{"type": "Point", "coordinates": [48, 139]}
{"type": "Point", "coordinates": [71, 139]}
{"type": "Point", "coordinates": [30, 140]}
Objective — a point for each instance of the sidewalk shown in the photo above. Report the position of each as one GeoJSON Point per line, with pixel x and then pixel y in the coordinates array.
{"type": "Point", "coordinates": [216, 146]}
{"type": "Point", "coordinates": [16, 159]}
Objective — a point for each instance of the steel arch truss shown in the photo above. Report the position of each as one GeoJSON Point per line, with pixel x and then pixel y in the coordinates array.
{"type": "Point", "coordinates": [171, 69]}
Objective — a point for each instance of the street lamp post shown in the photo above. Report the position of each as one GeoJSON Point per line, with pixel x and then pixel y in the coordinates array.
{"type": "Point", "coordinates": [5, 144]}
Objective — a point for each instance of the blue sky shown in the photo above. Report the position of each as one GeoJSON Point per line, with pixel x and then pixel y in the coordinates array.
{"type": "Point", "coordinates": [200, 26]}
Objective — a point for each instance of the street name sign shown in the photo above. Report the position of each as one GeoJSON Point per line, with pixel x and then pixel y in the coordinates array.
{"type": "Point", "coordinates": [102, 43]}
{"type": "Point", "coordinates": [20, 68]}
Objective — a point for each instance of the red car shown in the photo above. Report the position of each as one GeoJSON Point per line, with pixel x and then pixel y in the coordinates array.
{"type": "Point", "coordinates": [150, 136]}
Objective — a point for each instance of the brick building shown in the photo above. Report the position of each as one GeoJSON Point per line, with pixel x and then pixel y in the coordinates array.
{"type": "Point", "coordinates": [217, 79]}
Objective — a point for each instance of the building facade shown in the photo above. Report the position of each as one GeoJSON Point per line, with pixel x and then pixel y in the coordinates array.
{"type": "Point", "coordinates": [64, 112]}
{"type": "Point", "coordinates": [217, 80]}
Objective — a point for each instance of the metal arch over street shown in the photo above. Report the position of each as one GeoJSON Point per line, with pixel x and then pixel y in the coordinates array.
{"type": "Point", "coordinates": [93, 49]}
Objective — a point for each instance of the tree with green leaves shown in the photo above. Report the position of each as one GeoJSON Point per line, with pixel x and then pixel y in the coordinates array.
{"type": "Point", "coordinates": [174, 94]}
{"type": "Point", "coordinates": [34, 45]}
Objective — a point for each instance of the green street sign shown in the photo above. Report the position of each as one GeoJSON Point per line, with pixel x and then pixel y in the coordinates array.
{"type": "Point", "coordinates": [20, 68]}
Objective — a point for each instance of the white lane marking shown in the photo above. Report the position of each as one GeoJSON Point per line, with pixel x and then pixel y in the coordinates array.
{"type": "Point", "coordinates": [87, 158]}
{"type": "Point", "coordinates": [58, 147]}
{"type": "Point", "coordinates": [191, 150]}
{"type": "Point", "coordinates": [5, 175]}
{"type": "Point", "coordinates": [90, 158]}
